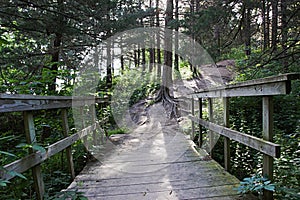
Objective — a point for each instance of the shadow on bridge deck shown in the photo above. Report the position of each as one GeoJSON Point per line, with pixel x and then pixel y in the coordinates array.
{"type": "Point", "coordinates": [156, 162]}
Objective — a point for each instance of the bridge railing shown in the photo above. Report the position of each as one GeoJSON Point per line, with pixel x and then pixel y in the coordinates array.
{"type": "Point", "coordinates": [266, 88]}
{"type": "Point", "coordinates": [29, 103]}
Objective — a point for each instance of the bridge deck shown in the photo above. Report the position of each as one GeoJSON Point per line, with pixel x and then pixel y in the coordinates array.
{"type": "Point", "coordinates": [156, 161]}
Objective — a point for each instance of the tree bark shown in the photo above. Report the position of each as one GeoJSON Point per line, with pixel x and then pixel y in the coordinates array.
{"type": "Point", "coordinates": [158, 55]}
{"type": "Point", "coordinates": [274, 23]}
{"type": "Point", "coordinates": [55, 60]}
{"type": "Point", "coordinates": [284, 34]}
{"type": "Point", "coordinates": [265, 28]}
{"type": "Point", "coordinates": [167, 72]}
{"type": "Point", "coordinates": [247, 28]}
{"type": "Point", "coordinates": [151, 49]}
{"type": "Point", "coordinates": [176, 46]}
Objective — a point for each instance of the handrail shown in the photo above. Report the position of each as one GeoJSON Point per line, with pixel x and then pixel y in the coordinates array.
{"type": "Point", "coordinates": [29, 103]}
{"type": "Point", "coordinates": [20, 102]}
{"type": "Point", "coordinates": [265, 87]}
{"type": "Point", "coordinates": [274, 85]}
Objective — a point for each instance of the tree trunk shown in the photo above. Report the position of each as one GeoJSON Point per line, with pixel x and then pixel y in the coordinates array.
{"type": "Point", "coordinates": [151, 49]}
{"type": "Point", "coordinates": [56, 51]}
{"type": "Point", "coordinates": [164, 94]}
{"type": "Point", "coordinates": [158, 42]}
{"type": "Point", "coordinates": [167, 72]}
{"type": "Point", "coordinates": [268, 22]}
{"type": "Point", "coordinates": [274, 23]}
{"type": "Point", "coordinates": [55, 60]}
{"type": "Point", "coordinates": [247, 28]}
{"type": "Point", "coordinates": [265, 28]}
{"type": "Point", "coordinates": [284, 34]}
{"type": "Point", "coordinates": [108, 67]}
{"type": "Point", "coordinates": [176, 46]}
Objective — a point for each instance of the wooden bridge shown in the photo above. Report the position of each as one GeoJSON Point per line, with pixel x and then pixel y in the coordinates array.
{"type": "Point", "coordinates": [163, 165]}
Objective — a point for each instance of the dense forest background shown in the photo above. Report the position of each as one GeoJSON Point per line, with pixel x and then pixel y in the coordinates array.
{"type": "Point", "coordinates": [42, 45]}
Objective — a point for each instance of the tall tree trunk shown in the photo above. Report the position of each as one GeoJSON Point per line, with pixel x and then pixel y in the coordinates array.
{"type": "Point", "coordinates": [108, 67]}
{"type": "Point", "coordinates": [135, 58]}
{"type": "Point", "coordinates": [56, 51]}
{"type": "Point", "coordinates": [108, 59]}
{"type": "Point", "coordinates": [247, 27]}
{"type": "Point", "coordinates": [265, 25]}
{"type": "Point", "coordinates": [55, 60]}
{"type": "Point", "coordinates": [164, 94]}
{"type": "Point", "coordinates": [167, 72]}
{"type": "Point", "coordinates": [176, 45]}
{"type": "Point", "coordinates": [274, 23]}
{"type": "Point", "coordinates": [268, 23]}
{"type": "Point", "coordinates": [284, 34]}
{"type": "Point", "coordinates": [158, 56]}
{"type": "Point", "coordinates": [151, 49]}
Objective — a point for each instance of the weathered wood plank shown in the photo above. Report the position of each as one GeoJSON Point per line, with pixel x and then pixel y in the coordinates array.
{"type": "Point", "coordinates": [37, 169]}
{"type": "Point", "coordinates": [66, 130]}
{"type": "Point", "coordinates": [263, 89]}
{"type": "Point", "coordinates": [211, 118]}
{"type": "Point", "coordinates": [261, 145]}
{"type": "Point", "coordinates": [274, 85]}
{"type": "Point", "coordinates": [36, 158]}
{"type": "Point", "coordinates": [200, 139]}
{"type": "Point", "coordinates": [226, 139]}
{"type": "Point", "coordinates": [165, 165]}
{"type": "Point", "coordinates": [193, 123]}
{"type": "Point", "coordinates": [14, 103]}
{"type": "Point", "coordinates": [268, 136]}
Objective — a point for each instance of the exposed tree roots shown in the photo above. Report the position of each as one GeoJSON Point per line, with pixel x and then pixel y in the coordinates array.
{"type": "Point", "coordinates": [170, 103]}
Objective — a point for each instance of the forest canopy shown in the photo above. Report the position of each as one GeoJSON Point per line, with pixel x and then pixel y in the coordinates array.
{"type": "Point", "coordinates": [43, 44]}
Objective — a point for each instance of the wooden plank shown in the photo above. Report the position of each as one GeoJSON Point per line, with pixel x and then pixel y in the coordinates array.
{"type": "Point", "coordinates": [159, 157]}
{"type": "Point", "coordinates": [200, 139]}
{"type": "Point", "coordinates": [57, 98]}
{"type": "Point", "coordinates": [261, 145]}
{"type": "Point", "coordinates": [66, 131]}
{"type": "Point", "coordinates": [262, 89]}
{"type": "Point", "coordinates": [272, 79]}
{"type": "Point", "coordinates": [268, 136]}
{"type": "Point", "coordinates": [37, 169]}
{"type": "Point", "coordinates": [36, 158]}
{"type": "Point", "coordinates": [193, 123]}
{"type": "Point", "coordinates": [14, 103]}
{"type": "Point", "coordinates": [226, 139]}
{"type": "Point", "coordinates": [274, 85]}
{"type": "Point", "coordinates": [211, 119]}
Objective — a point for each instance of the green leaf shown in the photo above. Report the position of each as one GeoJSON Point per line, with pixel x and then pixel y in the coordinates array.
{"type": "Point", "coordinates": [23, 145]}
{"type": "Point", "coordinates": [39, 148]}
{"type": "Point", "coordinates": [267, 182]}
{"type": "Point", "coordinates": [3, 183]}
{"type": "Point", "coordinates": [13, 173]}
{"type": "Point", "coordinates": [7, 153]}
{"type": "Point", "coordinates": [270, 188]}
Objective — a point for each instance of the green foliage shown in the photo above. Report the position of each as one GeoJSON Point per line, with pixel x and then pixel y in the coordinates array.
{"type": "Point", "coordinates": [35, 147]}
{"type": "Point", "coordinates": [72, 195]}
{"type": "Point", "coordinates": [255, 184]}
{"type": "Point", "coordinates": [144, 91]}
{"type": "Point", "coordinates": [116, 131]}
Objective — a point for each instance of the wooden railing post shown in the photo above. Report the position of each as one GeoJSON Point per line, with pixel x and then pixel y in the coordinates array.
{"type": "Point", "coordinates": [31, 139]}
{"type": "Point", "coordinates": [268, 135]}
{"type": "Point", "coordinates": [226, 139]}
{"type": "Point", "coordinates": [84, 138]}
{"type": "Point", "coordinates": [200, 139]}
{"type": "Point", "coordinates": [193, 123]}
{"type": "Point", "coordinates": [93, 113]}
{"type": "Point", "coordinates": [66, 131]}
{"type": "Point", "coordinates": [211, 119]}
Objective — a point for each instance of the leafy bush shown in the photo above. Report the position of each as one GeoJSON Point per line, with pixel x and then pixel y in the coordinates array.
{"type": "Point", "coordinates": [255, 184]}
